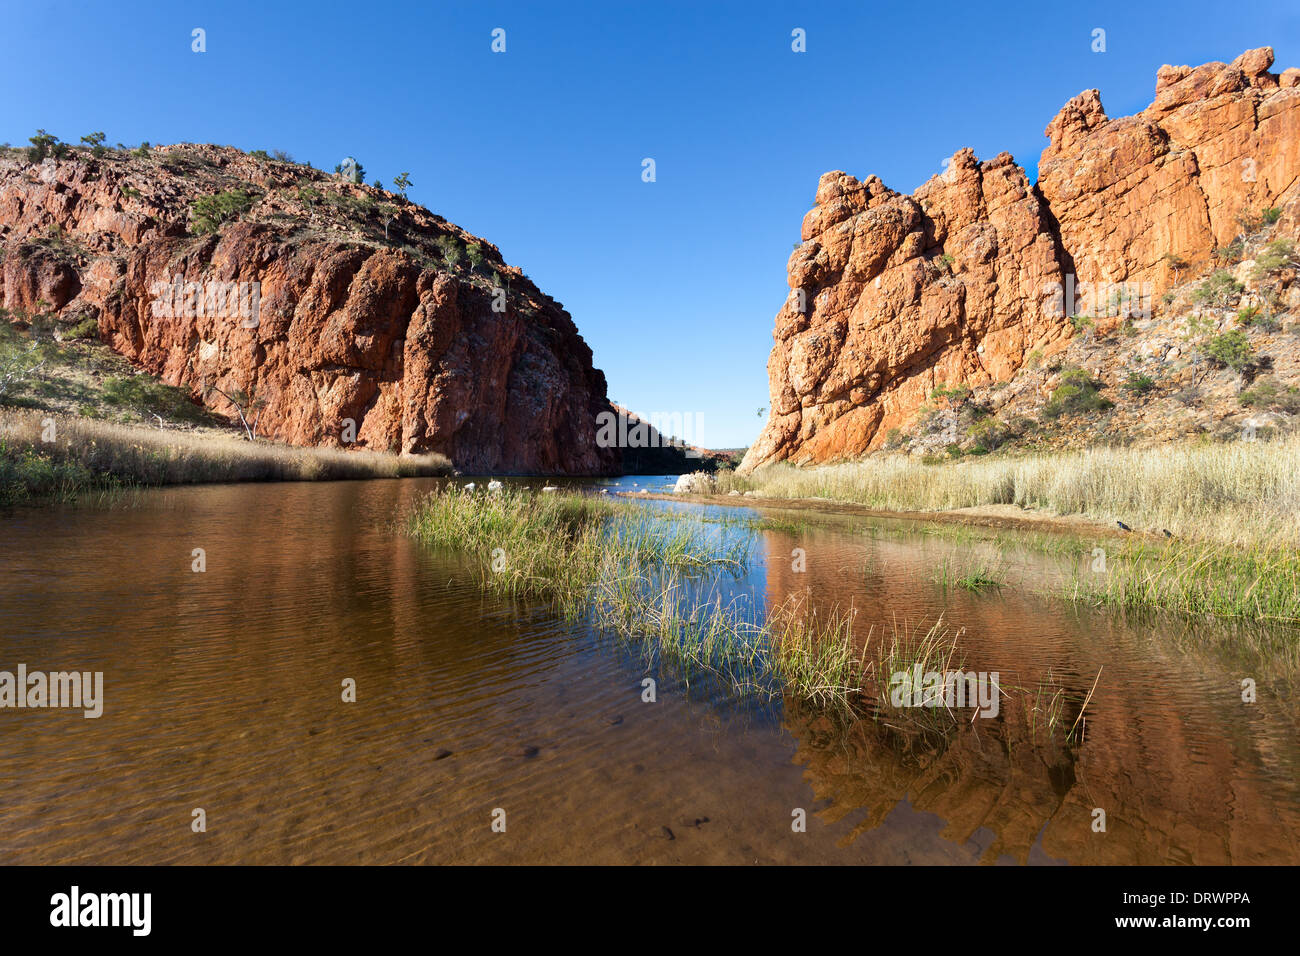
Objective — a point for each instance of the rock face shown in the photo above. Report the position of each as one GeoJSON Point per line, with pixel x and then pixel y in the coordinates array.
{"type": "Point", "coordinates": [365, 331]}
{"type": "Point", "coordinates": [962, 281]}
{"type": "Point", "coordinates": [1172, 180]}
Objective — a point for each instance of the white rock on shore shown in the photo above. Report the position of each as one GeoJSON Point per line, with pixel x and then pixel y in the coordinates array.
{"type": "Point", "coordinates": [694, 483]}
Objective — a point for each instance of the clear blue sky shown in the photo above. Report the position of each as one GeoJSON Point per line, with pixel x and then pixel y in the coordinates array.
{"type": "Point", "coordinates": [674, 283]}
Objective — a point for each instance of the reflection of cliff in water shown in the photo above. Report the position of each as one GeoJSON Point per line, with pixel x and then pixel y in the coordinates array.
{"type": "Point", "coordinates": [1185, 772]}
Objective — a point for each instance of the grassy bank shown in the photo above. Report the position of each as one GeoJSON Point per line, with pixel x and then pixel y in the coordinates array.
{"type": "Point", "coordinates": [1216, 527]}
{"type": "Point", "coordinates": [86, 454]}
{"type": "Point", "coordinates": [1231, 493]}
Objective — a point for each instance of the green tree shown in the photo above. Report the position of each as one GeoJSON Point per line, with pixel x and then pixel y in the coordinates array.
{"type": "Point", "coordinates": [450, 249]}
{"type": "Point", "coordinates": [403, 182]}
{"type": "Point", "coordinates": [96, 143]}
{"type": "Point", "coordinates": [1276, 256]}
{"type": "Point", "coordinates": [1231, 348]}
{"type": "Point", "coordinates": [1078, 393]}
{"type": "Point", "coordinates": [1218, 291]}
{"type": "Point", "coordinates": [210, 212]}
{"type": "Point", "coordinates": [44, 145]}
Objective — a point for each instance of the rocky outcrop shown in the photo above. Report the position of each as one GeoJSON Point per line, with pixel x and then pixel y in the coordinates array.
{"type": "Point", "coordinates": [1136, 193]}
{"type": "Point", "coordinates": [893, 295]}
{"type": "Point", "coordinates": [362, 329]}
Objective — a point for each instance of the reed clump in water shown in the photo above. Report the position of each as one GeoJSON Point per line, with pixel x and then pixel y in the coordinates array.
{"type": "Point", "coordinates": [559, 546]}
{"type": "Point", "coordinates": [979, 576]}
{"type": "Point", "coordinates": [644, 575]}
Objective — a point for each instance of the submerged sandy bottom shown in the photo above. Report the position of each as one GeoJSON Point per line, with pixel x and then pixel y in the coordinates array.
{"type": "Point", "coordinates": [223, 692]}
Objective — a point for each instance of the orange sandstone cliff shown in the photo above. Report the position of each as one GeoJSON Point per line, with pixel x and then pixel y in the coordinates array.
{"type": "Point", "coordinates": [368, 331]}
{"type": "Point", "coordinates": [892, 295]}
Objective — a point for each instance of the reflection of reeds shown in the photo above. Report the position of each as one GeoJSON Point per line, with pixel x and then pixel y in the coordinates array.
{"type": "Point", "coordinates": [1046, 706]}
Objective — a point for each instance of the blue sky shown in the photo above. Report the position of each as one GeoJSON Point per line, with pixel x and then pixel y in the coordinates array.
{"type": "Point", "coordinates": [674, 283]}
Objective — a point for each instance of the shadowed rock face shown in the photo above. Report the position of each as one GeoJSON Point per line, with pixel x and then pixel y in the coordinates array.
{"type": "Point", "coordinates": [352, 326]}
{"type": "Point", "coordinates": [959, 282]}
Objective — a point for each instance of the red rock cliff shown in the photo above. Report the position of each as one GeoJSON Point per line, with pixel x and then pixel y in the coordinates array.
{"type": "Point", "coordinates": [362, 316]}
{"type": "Point", "coordinates": [959, 282]}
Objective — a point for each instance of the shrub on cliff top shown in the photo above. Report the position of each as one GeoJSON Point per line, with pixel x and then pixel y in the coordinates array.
{"type": "Point", "coordinates": [45, 144]}
{"type": "Point", "coordinates": [96, 143]}
{"type": "Point", "coordinates": [474, 252]}
{"type": "Point", "coordinates": [450, 249]}
{"type": "Point", "coordinates": [210, 212]}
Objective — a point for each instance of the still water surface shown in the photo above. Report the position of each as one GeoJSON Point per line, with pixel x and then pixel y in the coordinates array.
{"type": "Point", "coordinates": [223, 692]}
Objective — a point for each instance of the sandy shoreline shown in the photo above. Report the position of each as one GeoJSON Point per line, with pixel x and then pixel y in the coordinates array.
{"type": "Point", "coordinates": [1002, 517]}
